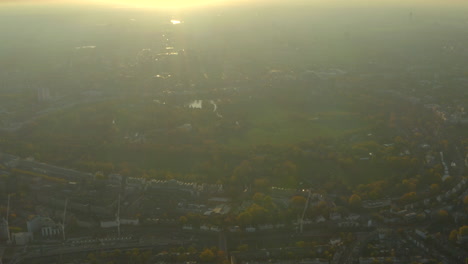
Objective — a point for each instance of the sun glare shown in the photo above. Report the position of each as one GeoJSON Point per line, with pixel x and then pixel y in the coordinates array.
{"type": "Point", "coordinates": [165, 4]}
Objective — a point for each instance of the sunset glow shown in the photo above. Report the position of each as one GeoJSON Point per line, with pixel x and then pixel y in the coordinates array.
{"type": "Point", "coordinates": [190, 4]}
{"type": "Point", "coordinates": [161, 4]}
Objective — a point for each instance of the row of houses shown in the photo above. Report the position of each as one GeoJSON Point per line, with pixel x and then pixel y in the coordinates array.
{"type": "Point", "coordinates": [234, 229]}
{"type": "Point", "coordinates": [335, 218]}
{"type": "Point", "coordinates": [116, 223]}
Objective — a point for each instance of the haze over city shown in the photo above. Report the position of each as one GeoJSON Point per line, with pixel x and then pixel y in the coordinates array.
{"type": "Point", "coordinates": [233, 131]}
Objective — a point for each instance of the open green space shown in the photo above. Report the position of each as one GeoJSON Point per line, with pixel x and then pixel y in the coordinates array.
{"type": "Point", "coordinates": [270, 122]}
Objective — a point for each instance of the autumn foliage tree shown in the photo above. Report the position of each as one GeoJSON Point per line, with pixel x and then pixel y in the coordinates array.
{"type": "Point", "coordinates": [207, 255]}
{"type": "Point", "coordinates": [408, 197]}
{"type": "Point", "coordinates": [442, 216]}
{"type": "Point", "coordinates": [355, 201]}
{"type": "Point", "coordinates": [463, 231]}
{"type": "Point", "coordinates": [297, 201]}
{"type": "Point", "coordinates": [453, 235]}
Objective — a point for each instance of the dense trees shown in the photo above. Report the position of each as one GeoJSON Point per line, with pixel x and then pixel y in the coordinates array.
{"type": "Point", "coordinates": [463, 231]}
{"type": "Point", "coordinates": [355, 201]}
{"type": "Point", "coordinates": [408, 197]}
{"type": "Point", "coordinates": [207, 255]}
{"type": "Point", "coordinates": [298, 201]}
{"type": "Point", "coordinates": [453, 235]}
{"type": "Point", "coordinates": [117, 256]}
{"type": "Point", "coordinates": [275, 139]}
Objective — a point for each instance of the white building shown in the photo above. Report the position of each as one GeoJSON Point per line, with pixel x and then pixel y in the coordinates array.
{"type": "Point", "coordinates": [86, 223]}
{"type": "Point", "coordinates": [43, 226]}
{"type": "Point", "coordinates": [128, 221]}
{"type": "Point", "coordinates": [250, 229]}
{"type": "Point", "coordinates": [335, 216]}
{"type": "Point", "coordinates": [215, 229]}
{"type": "Point", "coordinates": [320, 219]}
{"type": "Point", "coordinates": [109, 224]}
{"type": "Point", "coordinates": [187, 227]}
{"type": "Point", "coordinates": [335, 241]}
{"type": "Point", "coordinates": [48, 231]}
{"type": "Point", "coordinates": [422, 233]}
{"type": "Point", "coordinates": [3, 230]}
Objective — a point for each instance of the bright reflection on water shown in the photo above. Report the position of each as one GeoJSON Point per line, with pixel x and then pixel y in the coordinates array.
{"type": "Point", "coordinates": [175, 21]}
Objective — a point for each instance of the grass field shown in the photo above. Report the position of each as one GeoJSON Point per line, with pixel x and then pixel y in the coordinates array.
{"type": "Point", "coordinates": [270, 123]}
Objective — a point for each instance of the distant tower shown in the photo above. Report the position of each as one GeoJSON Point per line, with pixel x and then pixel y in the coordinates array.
{"type": "Point", "coordinates": [7, 224]}
{"type": "Point", "coordinates": [301, 224]}
{"type": "Point", "coordinates": [43, 94]}
{"type": "Point", "coordinates": [117, 218]}
{"type": "Point", "coordinates": [64, 219]}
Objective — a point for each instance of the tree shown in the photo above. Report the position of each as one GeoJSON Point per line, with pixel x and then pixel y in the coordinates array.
{"type": "Point", "coordinates": [242, 173]}
{"type": "Point", "coordinates": [220, 256]}
{"type": "Point", "coordinates": [258, 197]}
{"type": "Point", "coordinates": [463, 231]}
{"type": "Point", "coordinates": [286, 173]}
{"type": "Point", "coordinates": [435, 188]}
{"type": "Point", "coordinates": [92, 258]}
{"type": "Point", "coordinates": [183, 220]}
{"type": "Point", "coordinates": [243, 247]}
{"type": "Point", "coordinates": [258, 213]}
{"type": "Point", "coordinates": [244, 218]}
{"type": "Point", "coordinates": [408, 197]}
{"type": "Point", "coordinates": [261, 184]}
{"type": "Point", "coordinates": [207, 255]}
{"type": "Point", "coordinates": [453, 235]}
{"type": "Point", "coordinates": [442, 215]}
{"type": "Point", "coordinates": [300, 244]}
{"type": "Point", "coordinates": [298, 201]}
{"type": "Point", "coordinates": [355, 200]}
{"type": "Point", "coordinates": [192, 250]}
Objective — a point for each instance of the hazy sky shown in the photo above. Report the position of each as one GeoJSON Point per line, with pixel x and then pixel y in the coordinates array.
{"type": "Point", "coordinates": [204, 3]}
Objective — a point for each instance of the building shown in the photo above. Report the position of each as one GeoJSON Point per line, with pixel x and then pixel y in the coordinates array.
{"type": "Point", "coordinates": [422, 233]}
{"type": "Point", "coordinates": [250, 229]}
{"type": "Point", "coordinates": [129, 221]}
{"type": "Point", "coordinates": [51, 230]}
{"type": "Point", "coordinates": [378, 260]}
{"type": "Point", "coordinates": [462, 239]}
{"type": "Point", "coordinates": [187, 227]}
{"type": "Point", "coordinates": [353, 217]}
{"type": "Point", "coordinates": [86, 223]}
{"type": "Point", "coordinates": [115, 179]}
{"type": "Point", "coordinates": [43, 94]}
{"type": "Point", "coordinates": [335, 216]}
{"type": "Point", "coordinates": [347, 224]}
{"type": "Point", "coordinates": [410, 217]}
{"type": "Point", "coordinates": [3, 230]}
{"type": "Point", "coordinates": [320, 219]}
{"type": "Point", "coordinates": [22, 238]}
{"type": "Point", "coordinates": [314, 261]}
{"type": "Point", "coordinates": [43, 227]}
{"type": "Point", "coordinates": [335, 241]}
{"type": "Point", "coordinates": [134, 183]}
{"type": "Point", "coordinates": [109, 223]}
{"type": "Point", "coordinates": [234, 229]}
{"type": "Point", "coordinates": [221, 209]}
